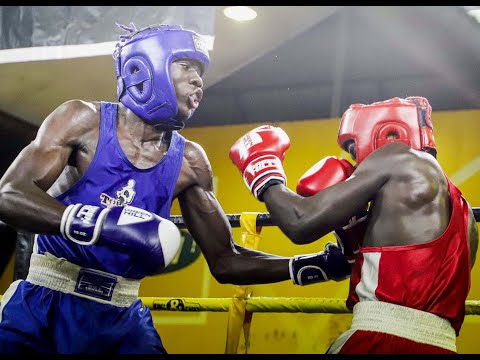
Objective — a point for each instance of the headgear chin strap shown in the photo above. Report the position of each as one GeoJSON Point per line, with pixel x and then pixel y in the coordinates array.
{"type": "Point", "coordinates": [394, 120]}
{"type": "Point", "coordinates": [142, 67]}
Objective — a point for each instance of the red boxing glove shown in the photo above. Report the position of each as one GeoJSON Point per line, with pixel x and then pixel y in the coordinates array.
{"type": "Point", "coordinates": [259, 155]}
{"type": "Point", "coordinates": [327, 172]}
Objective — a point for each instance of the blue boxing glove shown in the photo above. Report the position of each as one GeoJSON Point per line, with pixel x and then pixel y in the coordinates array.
{"type": "Point", "coordinates": [330, 264]}
{"type": "Point", "coordinates": [154, 239]}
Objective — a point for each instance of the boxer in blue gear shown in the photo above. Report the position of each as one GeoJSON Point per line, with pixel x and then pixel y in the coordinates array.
{"type": "Point", "coordinates": [96, 185]}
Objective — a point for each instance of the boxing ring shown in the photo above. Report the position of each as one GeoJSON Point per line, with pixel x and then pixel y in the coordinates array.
{"type": "Point", "coordinates": [242, 304]}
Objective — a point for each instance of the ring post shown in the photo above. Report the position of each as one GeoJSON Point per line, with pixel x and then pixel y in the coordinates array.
{"type": "Point", "coordinates": [239, 317]}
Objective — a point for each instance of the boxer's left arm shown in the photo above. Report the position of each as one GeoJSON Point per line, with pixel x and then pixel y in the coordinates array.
{"type": "Point", "coordinates": [229, 262]}
{"type": "Point", "coordinates": [208, 224]}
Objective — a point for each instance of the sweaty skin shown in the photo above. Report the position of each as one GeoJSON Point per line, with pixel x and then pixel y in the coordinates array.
{"type": "Point", "coordinates": [408, 194]}
{"type": "Point", "coordinates": [64, 148]}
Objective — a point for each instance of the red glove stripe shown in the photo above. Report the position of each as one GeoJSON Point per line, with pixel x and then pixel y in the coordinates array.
{"type": "Point", "coordinates": [261, 166]}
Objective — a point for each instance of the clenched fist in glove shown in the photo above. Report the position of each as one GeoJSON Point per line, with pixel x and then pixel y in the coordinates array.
{"type": "Point", "coordinates": [153, 239]}
{"type": "Point", "coordinates": [327, 172]}
{"type": "Point", "coordinates": [259, 155]}
{"type": "Point", "coordinates": [330, 264]}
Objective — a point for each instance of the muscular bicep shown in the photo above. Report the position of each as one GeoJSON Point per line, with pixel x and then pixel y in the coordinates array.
{"type": "Point", "coordinates": [40, 163]}
{"type": "Point", "coordinates": [43, 160]}
{"type": "Point", "coordinates": [202, 213]}
{"type": "Point", "coordinates": [24, 202]}
{"type": "Point", "coordinates": [206, 222]}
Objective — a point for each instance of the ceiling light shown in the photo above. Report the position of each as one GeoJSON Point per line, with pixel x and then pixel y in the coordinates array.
{"type": "Point", "coordinates": [475, 13]}
{"type": "Point", "coordinates": [240, 13]}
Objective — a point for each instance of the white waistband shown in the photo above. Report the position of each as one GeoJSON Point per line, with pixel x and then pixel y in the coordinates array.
{"type": "Point", "coordinates": [420, 326]}
{"type": "Point", "coordinates": [62, 275]}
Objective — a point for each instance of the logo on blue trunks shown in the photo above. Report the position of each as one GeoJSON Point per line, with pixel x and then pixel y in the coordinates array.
{"type": "Point", "coordinates": [96, 285]}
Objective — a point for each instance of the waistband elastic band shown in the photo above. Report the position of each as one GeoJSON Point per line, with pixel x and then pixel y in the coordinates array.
{"type": "Point", "coordinates": [420, 326]}
{"type": "Point", "coordinates": [62, 275]}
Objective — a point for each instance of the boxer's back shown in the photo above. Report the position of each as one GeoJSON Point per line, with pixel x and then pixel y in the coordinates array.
{"type": "Point", "coordinates": [413, 206]}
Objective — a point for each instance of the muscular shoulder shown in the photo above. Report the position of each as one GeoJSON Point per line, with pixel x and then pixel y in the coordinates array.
{"type": "Point", "coordinates": [71, 120]}
{"type": "Point", "coordinates": [416, 173]}
{"type": "Point", "coordinates": [196, 165]}
{"type": "Point", "coordinates": [76, 112]}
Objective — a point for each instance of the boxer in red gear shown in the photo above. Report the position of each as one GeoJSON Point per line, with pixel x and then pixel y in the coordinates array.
{"type": "Point", "coordinates": [411, 276]}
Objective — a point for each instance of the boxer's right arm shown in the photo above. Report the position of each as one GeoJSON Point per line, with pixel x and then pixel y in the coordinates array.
{"type": "Point", "coordinates": [24, 202]}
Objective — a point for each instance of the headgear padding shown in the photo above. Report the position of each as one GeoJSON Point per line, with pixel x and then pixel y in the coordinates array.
{"type": "Point", "coordinates": [394, 120]}
{"type": "Point", "coordinates": [142, 67]}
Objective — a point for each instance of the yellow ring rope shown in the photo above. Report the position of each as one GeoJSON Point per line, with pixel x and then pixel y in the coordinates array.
{"type": "Point", "coordinates": [266, 304]}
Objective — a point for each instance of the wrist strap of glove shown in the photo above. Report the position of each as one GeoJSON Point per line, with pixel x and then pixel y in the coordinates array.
{"type": "Point", "coordinates": [270, 182]}
{"type": "Point", "coordinates": [82, 223]}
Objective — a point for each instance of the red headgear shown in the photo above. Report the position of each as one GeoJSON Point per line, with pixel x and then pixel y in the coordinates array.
{"type": "Point", "coordinates": [394, 120]}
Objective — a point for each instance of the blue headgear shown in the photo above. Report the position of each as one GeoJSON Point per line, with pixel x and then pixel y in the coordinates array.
{"type": "Point", "coordinates": [142, 66]}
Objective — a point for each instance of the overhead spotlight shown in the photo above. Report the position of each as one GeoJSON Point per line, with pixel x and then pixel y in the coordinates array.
{"type": "Point", "coordinates": [240, 13]}
{"type": "Point", "coordinates": [475, 13]}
